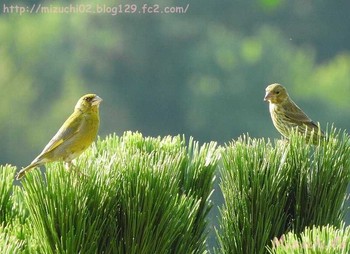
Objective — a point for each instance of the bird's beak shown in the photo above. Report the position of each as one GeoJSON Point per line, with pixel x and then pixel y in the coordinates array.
{"type": "Point", "coordinates": [267, 96]}
{"type": "Point", "coordinates": [96, 101]}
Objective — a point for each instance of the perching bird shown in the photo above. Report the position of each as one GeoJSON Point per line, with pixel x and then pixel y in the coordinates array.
{"type": "Point", "coordinates": [286, 115]}
{"type": "Point", "coordinates": [76, 134]}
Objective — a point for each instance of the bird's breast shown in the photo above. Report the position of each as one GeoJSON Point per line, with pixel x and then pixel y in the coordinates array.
{"type": "Point", "coordinates": [82, 139]}
{"type": "Point", "coordinates": [272, 108]}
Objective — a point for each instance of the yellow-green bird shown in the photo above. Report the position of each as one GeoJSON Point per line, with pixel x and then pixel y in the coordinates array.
{"type": "Point", "coordinates": [286, 115]}
{"type": "Point", "coordinates": [76, 134]}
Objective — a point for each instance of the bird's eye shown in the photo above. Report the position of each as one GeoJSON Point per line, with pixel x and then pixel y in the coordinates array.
{"type": "Point", "coordinates": [277, 92]}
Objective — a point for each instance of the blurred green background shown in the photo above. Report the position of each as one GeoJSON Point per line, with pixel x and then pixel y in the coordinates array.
{"type": "Point", "coordinates": [201, 73]}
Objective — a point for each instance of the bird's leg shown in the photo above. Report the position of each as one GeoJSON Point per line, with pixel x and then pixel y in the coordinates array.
{"type": "Point", "coordinates": [283, 141]}
{"type": "Point", "coordinates": [68, 165]}
{"type": "Point", "coordinates": [81, 173]}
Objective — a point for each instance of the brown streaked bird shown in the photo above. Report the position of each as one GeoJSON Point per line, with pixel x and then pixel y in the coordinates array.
{"type": "Point", "coordinates": [74, 137]}
{"type": "Point", "coordinates": [286, 115]}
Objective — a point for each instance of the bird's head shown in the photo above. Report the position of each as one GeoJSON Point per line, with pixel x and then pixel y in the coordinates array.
{"type": "Point", "coordinates": [87, 102]}
{"type": "Point", "coordinates": [276, 93]}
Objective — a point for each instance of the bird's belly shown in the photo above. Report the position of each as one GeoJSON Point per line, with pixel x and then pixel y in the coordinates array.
{"type": "Point", "coordinates": [71, 156]}
{"type": "Point", "coordinates": [73, 148]}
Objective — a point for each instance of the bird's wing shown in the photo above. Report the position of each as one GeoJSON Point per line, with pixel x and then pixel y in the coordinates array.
{"type": "Point", "coordinates": [294, 113]}
{"type": "Point", "coordinates": [70, 127]}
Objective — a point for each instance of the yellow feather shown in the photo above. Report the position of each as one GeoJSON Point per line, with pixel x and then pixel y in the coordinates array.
{"type": "Point", "coordinates": [74, 137]}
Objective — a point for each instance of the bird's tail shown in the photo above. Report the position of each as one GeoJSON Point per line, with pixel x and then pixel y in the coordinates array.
{"type": "Point", "coordinates": [23, 171]}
